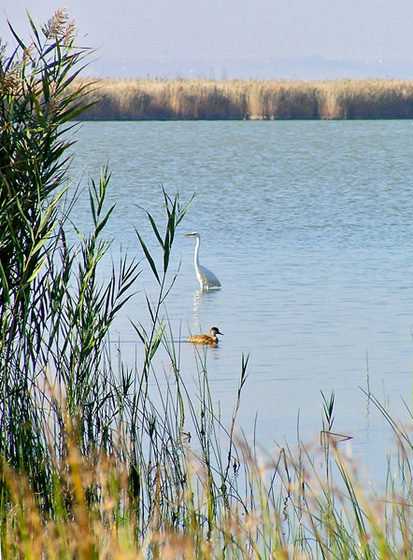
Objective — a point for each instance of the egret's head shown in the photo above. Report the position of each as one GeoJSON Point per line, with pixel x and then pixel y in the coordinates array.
{"type": "Point", "coordinates": [194, 233]}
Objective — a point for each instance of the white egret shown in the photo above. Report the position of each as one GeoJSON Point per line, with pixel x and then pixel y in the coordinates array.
{"type": "Point", "coordinates": [206, 278]}
{"type": "Point", "coordinates": [210, 338]}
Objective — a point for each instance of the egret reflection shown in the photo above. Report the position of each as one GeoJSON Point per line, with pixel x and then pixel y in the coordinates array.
{"type": "Point", "coordinates": [201, 299]}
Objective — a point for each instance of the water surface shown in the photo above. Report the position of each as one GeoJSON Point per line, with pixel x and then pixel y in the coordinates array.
{"type": "Point", "coordinates": [309, 227]}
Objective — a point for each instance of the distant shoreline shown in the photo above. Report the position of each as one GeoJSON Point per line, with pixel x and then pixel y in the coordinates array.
{"type": "Point", "coordinates": [203, 99]}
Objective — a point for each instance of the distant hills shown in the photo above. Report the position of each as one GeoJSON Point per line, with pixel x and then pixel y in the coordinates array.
{"type": "Point", "coordinates": [305, 68]}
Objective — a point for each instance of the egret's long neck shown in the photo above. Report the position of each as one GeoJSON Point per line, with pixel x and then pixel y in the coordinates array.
{"type": "Point", "coordinates": [198, 243]}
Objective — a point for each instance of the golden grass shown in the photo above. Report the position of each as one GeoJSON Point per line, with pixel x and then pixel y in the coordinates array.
{"type": "Point", "coordinates": [292, 510]}
{"type": "Point", "coordinates": [180, 99]}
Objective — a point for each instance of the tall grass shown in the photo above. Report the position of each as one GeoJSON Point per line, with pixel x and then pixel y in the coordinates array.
{"type": "Point", "coordinates": [101, 461]}
{"type": "Point", "coordinates": [36, 112]}
{"type": "Point", "coordinates": [290, 508]}
{"type": "Point", "coordinates": [136, 99]}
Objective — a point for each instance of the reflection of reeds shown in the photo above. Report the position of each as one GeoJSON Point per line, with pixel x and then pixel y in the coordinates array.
{"type": "Point", "coordinates": [136, 99]}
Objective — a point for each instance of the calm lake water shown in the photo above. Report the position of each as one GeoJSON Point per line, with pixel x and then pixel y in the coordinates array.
{"type": "Point", "coordinates": [309, 227]}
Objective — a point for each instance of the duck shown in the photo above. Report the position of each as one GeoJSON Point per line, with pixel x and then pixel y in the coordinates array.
{"type": "Point", "coordinates": [210, 338]}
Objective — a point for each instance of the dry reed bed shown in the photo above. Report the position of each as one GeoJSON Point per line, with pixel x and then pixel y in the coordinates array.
{"type": "Point", "coordinates": [137, 99]}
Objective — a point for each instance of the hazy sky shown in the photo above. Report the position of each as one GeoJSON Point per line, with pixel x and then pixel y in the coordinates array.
{"type": "Point", "coordinates": [252, 29]}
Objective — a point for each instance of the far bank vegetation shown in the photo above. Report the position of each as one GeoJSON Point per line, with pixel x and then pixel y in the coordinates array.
{"type": "Point", "coordinates": [181, 99]}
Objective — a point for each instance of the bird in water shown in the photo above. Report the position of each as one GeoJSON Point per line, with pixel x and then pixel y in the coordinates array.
{"type": "Point", "coordinates": [210, 338]}
{"type": "Point", "coordinates": [206, 278]}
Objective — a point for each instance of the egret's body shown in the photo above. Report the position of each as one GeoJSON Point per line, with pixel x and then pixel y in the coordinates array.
{"type": "Point", "coordinates": [206, 278]}
{"type": "Point", "coordinates": [210, 338]}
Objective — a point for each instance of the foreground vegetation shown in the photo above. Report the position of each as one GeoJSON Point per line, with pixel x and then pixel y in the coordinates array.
{"type": "Point", "coordinates": [98, 461]}
{"type": "Point", "coordinates": [136, 99]}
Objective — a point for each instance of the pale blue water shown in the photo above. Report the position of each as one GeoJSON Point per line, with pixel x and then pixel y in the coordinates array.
{"type": "Point", "coordinates": [309, 227]}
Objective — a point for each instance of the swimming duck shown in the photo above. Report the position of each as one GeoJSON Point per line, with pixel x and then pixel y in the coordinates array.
{"type": "Point", "coordinates": [210, 338]}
